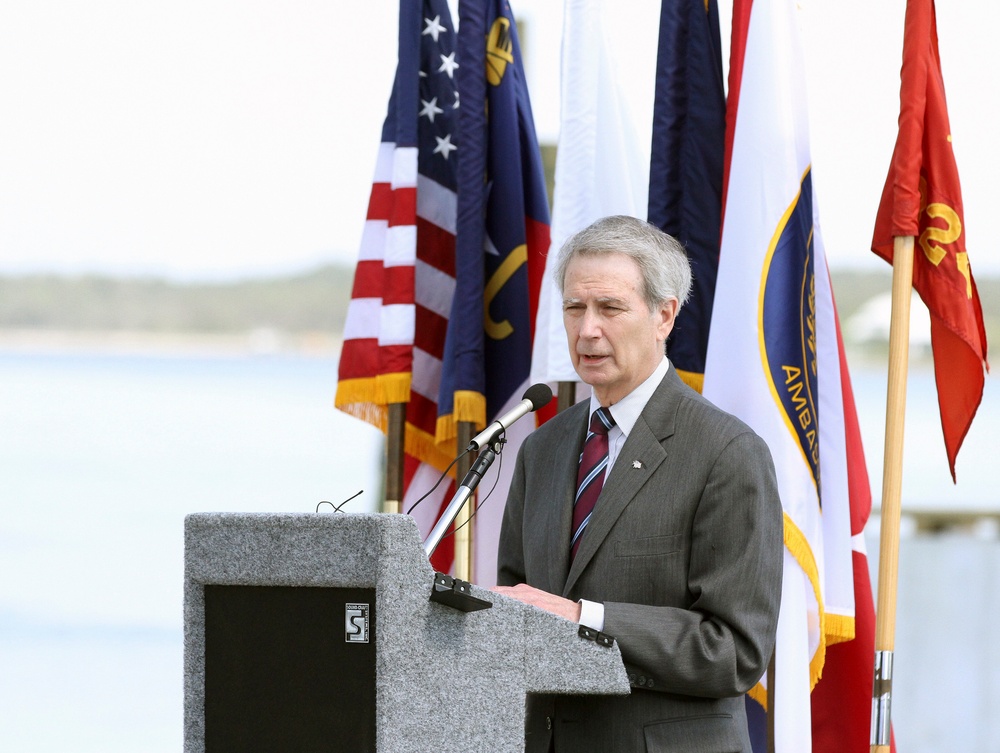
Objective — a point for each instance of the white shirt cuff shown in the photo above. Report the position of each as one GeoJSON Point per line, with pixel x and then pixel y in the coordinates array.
{"type": "Point", "coordinates": [592, 615]}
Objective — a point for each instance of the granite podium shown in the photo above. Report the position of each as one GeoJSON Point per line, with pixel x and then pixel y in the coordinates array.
{"type": "Point", "coordinates": [317, 632]}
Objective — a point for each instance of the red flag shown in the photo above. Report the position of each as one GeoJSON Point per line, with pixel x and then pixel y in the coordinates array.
{"type": "Point", "coordinates": [922, 198]}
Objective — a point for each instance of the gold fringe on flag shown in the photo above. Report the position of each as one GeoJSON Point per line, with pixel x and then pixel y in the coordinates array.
{"type": "Point", "coordinates": [692, 379]}
{"type": "Point", "coordinates": [469, 407]}
{"type": "Point", "coordinates": [798, 546]}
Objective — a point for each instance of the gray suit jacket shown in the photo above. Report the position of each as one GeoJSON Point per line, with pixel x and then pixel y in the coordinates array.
{"type": "Point", "coordinates": [685, 551]}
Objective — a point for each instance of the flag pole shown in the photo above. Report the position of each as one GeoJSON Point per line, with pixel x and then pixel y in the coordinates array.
{"type": "Point", "coordinates": [566, 396]}
{"type": "Point", "coordinates": [394, 457]}
{"type": "Point", "coordinates": [464, 521]}
{"type": "Point", "coordinates": [892, 482]}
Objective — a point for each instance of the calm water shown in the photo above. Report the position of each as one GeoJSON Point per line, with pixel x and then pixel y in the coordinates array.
{"type": "Point", "coordinates": [101, 457]}
{"type": "Point", "coordinates": [927, 483]}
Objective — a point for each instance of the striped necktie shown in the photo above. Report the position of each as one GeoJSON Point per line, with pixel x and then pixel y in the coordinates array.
{"type": "Point", "coordinates": [590, 479]}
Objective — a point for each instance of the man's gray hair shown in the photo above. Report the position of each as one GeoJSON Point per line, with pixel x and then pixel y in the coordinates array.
{"type": "Point", "coordinates": [663, 263]}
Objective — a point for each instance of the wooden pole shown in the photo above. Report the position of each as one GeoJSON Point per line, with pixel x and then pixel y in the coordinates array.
{"type": "Point", "coordinates": [394, 451]}
{"type": "Point", "coordinates": [565, 396]}
{"type": "Point", "coordinates": [892, 484]}
{"type": "Point", "coordinates": [464, 534]}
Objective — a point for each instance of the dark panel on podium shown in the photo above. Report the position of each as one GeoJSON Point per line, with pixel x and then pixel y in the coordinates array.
{"type": "Point", "coordinates": [289, 669]}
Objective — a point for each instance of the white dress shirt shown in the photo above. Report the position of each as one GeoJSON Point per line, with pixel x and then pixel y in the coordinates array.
{"type": "Point", "coordinates": [625, 412]}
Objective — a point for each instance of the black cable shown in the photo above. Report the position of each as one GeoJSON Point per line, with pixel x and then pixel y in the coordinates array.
{"type": "Point", "coordinates": [336, 508]}
{"type": "Point", "coordinates": [440, 479]}
{"type": "Point", "coordinates": [496, 480]}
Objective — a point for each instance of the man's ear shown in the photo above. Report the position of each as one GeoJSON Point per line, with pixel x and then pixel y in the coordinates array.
{"type": "Point", "coordinates": [666, 315]}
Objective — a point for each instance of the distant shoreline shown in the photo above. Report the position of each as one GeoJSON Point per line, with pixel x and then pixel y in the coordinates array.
{"type": "Point", "coordinates": [257, 342]}
{"type": "Point", "coordinates": [265, 341]}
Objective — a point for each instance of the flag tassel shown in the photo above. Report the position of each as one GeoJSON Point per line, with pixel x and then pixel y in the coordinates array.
{"type": "Point", "coordinates": [892, 482]}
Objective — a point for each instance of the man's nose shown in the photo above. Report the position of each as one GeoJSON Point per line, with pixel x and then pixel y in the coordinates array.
{"type": "Point", "coordinates": [590, 325]}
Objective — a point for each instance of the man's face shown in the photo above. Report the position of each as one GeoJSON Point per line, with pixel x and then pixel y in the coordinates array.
{"type": "Point", "coordinates": [615, 341]}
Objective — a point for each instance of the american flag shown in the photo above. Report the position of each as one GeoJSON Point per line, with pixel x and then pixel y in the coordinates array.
{"type": "Point", "coordinates": [402, 310]}
{"type": "Point", "coordinates": [405, 278]}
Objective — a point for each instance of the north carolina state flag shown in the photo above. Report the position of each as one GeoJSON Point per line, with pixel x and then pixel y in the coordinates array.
{"type": "Point", "coordinates": [922, 198]}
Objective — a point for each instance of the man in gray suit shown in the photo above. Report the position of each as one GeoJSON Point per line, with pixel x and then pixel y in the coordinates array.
{"type": "Point", "coordinates": [680, 558]}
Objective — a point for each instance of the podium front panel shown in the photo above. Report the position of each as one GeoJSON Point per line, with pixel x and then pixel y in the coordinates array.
{"type": "Point", "coordinates": [276, 608]}
{"type": "Point", "coordinates": [289, 668]}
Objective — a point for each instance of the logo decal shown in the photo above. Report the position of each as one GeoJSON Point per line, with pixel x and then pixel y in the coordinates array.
{"type": "Point", "coordinates": [356, 623]}
{"type": "Point", "coordinates": [935, 239]}
{"type": "Point", "coordinates": [514, 261]}
{"type": "Point", "coordinates": [499, 51]}
{"type": "Point", "coordinates": [788, 324]}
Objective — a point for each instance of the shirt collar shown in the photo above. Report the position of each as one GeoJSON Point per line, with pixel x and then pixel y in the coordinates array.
{"type": "Point", "coordinates": [626, 411]}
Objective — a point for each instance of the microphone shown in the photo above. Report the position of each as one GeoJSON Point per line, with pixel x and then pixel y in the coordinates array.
{"type": "Point", "coordinates": [534, 398]}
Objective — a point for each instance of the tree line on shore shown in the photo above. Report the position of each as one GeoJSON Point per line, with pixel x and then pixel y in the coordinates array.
{"type": "Point", "coordinates": [313, 301]}
{"type": "Point", "coordinates": [307, 302]}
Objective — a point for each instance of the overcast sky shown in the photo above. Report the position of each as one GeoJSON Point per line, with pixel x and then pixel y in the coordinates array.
{"type": "Point", "coordinates": [215, 139]}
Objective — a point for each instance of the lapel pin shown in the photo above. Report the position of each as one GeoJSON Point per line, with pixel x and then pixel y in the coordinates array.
{"type": "Point", "coordinates": [636, 464]}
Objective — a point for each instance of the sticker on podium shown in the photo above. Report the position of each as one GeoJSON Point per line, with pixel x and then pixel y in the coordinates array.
{"type": "Point", "coordinates": [356, 622]}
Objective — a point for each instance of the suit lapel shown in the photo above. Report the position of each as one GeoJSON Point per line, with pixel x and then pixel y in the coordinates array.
{"type": "Point", "coordinates": [639, 458]}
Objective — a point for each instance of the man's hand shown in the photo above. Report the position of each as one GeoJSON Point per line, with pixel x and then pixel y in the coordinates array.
{"type": "Point", "coordinates": [542, 599]}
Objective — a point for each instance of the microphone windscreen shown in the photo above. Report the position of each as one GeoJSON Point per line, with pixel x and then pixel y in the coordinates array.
{"type": "Point", "coordinates": [539, 394]}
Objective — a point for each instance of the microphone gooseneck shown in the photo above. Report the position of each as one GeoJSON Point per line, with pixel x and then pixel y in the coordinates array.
{"type": "Point", "coordinates": [534, 398]}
